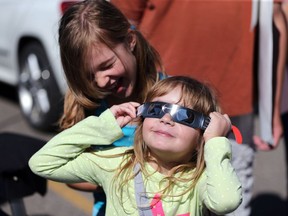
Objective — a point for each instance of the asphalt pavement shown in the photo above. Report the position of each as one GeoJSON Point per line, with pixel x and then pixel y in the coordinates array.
{"type": "Point", "coordinates": [270, 187]}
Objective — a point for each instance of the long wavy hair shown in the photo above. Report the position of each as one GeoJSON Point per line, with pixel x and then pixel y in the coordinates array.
{"type": "Point", "coordinates": [195, 95]}
{"type": "Point", "coordinates": [84, 25]}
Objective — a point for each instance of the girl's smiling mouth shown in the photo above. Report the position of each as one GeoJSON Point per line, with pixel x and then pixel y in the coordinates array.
{"type": "Point", "coordinates": [163, 133]}
{"type": "Point", "coordinates": [117, 86]}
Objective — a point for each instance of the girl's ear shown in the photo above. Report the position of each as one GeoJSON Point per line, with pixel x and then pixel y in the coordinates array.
{"type": "Point", "coordinates": [131, 40]}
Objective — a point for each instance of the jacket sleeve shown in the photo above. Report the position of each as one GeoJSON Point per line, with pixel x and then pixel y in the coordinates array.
{"type": "Point", "coordinates": [220, 188]}
{"type": "Point", "coordinates": [64, 157]}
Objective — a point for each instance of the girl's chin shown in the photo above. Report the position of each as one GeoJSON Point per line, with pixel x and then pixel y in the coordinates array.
{"type": "Point", "coordinates": [120, 95]}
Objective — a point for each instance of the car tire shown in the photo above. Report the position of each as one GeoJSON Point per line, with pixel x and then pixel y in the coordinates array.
{"type": "Point", "coordinates": [39, 96]}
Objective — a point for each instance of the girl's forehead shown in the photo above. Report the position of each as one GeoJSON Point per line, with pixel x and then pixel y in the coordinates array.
{"type": "Point", "coordinates": [99, 49]}
{"type": "Point", "coordinates": [102, 51]}
{"type": "Point", "coordinates": [173, 97]}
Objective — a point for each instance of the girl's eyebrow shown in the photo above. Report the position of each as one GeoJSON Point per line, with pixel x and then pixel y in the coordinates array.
{"type": "Point", "coordinates": [103, 64]}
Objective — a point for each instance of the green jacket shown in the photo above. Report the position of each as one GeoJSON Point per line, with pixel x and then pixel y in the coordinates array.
{"type": "Point", "coordinates": [64, 159]}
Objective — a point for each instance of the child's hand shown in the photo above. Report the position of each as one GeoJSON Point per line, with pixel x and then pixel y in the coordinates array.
{"type": "Point", "coordinates": [125, 112]}
{"type": "Point", "coordinates": [219, 125]}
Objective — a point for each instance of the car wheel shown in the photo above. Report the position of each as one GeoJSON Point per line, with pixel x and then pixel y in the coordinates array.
{"type": "Point", "coordinates": [39, 95]}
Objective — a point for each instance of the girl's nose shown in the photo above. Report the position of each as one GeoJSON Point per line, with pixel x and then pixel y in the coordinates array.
{"type": "Point", "coordinates": [167, 119]}
{"type": "Point", "coordinates": [103, 81]}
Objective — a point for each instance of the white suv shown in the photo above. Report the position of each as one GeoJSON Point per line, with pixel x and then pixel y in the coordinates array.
{"type": "Point", "coordinates": [29, 57]}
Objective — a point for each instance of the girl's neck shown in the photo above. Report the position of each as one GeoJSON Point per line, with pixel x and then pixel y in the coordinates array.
{"type": "Point", "coordinates": [163, 166]}
{"type": "Point", "coordinates": [164, 162]}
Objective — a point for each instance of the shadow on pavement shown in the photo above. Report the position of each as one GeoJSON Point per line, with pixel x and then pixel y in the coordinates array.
{"type": "Point", "coordinates": [268, 205]}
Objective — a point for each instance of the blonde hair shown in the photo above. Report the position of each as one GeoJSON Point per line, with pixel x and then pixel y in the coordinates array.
{"type": "Point", "coordinates": [84, 25]}
{"type": "Point", "coordinates": [195, 95]}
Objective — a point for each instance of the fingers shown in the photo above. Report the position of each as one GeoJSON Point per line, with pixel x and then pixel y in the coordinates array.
{"type": "Point", "coordinates": [125, 109]}
{"type": "Point", "coordinates": [219, 125]}
{"type": "Point", "coordinates": [125, 112]}
{"type": "Point", "coordinates": [222, 119]}
{"type": "Point", "coordinates": [266, 146]}
{"type": "Point", "coordinates": [261, 144]}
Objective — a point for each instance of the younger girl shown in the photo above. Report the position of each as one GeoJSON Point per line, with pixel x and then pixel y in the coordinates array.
{"type": "Point", "coordinates": [179, 164]}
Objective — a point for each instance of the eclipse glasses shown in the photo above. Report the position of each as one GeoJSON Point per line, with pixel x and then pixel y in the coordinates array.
{"type": "Point", "coordinates": [179, 114]}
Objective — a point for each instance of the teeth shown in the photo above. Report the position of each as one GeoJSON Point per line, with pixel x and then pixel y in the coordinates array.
{"type": "Point", "coordinates": [113, 85]}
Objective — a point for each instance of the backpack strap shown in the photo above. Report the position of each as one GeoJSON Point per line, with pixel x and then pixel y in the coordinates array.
{"type": "Point", "coordinates": [140, 193]}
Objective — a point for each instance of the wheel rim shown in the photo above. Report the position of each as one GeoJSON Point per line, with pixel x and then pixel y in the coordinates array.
{"type": "Point", "coordinates": [33, 96]}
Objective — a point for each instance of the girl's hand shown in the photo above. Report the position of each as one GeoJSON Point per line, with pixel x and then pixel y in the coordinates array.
{"type": "Point", "coordinates": [219, 125]}
{"type": "Point", "coordinates": [124, 113]}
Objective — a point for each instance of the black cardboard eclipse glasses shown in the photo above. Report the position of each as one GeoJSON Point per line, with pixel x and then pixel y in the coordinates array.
{"type": "Point", "coordinates": [179, 114]}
